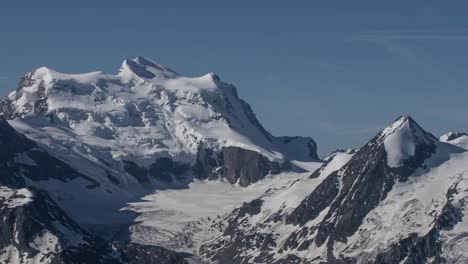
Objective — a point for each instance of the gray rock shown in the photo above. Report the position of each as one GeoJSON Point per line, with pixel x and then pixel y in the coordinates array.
{"type": "Point", "coordinates": [236, 165]}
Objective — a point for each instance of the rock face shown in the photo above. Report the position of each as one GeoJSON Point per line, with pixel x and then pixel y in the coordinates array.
{"type": "Point", "coordinates": [133, 253]}
{"type": "Point", "coordinates": [247, 167]}
{"type": "Point", "coordinates": [237, 165]}
{"type": "Point", "coordinates": [352, 213]}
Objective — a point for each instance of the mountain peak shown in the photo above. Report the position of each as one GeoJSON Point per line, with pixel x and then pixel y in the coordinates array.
{"type": "Point", "coordinates": [397, 124]}
{"type": "Point", "coordinates": [141, 67]}
{"type": "Point", "coordinates": [401, 124]}
{"type": "Point", "coordinates": [401, 138]}
{"type": "Point", "coordinates": [149, 106]}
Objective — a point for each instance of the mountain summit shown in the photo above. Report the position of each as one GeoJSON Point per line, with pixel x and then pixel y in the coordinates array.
{"type": "Point", "coordinates": [402, 138]}
{"type": "Point", "coordinates": [146, 110]}
{"type": "Point", "coordinates": [146, 126]}
{"type": "Point", "coordinates": [141, 67]}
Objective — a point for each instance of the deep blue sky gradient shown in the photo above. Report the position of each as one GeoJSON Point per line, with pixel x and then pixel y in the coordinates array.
{"type": "Point", "coordinates": [337, 71]}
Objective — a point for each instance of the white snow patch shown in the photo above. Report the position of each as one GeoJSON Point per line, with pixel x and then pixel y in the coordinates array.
{"type": "Point", "coordinates": [401, 140]}
{"type": "Point", "coordinates": [15, 197]}
{"type": "Point", "coordinates": [399, 146]}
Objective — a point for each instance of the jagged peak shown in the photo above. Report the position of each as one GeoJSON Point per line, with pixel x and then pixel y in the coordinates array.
{"type": "Point", "coordinates": [401, 125]}
{"type": "Point", "coordinates": [136, 69]}
{"type": "Point", "coordinates": [401, 138]}
{"type": "Point", "coordinates": [150, 63]}
{"type": "Point", "coordinates": [396, 125]}
{"type": "Point", "coordinates": [141, 67]}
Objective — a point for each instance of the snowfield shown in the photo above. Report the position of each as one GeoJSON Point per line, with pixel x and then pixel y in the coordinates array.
{"type": "Point", "coordinates": [110, 128]}
{"type": "Point", "coordinates": [180, 219]}
{"type": "Point", "coordinates": [14, 198]}
{"type": "Point", "coordinates": [146, 110]}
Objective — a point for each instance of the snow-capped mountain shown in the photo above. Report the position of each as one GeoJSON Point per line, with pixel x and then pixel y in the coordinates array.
{"type": "Point", "coordinates": [149, 166]}
{"type": "Point", "coordinates": [401, 198]}
{"type": "Point", "coordinates": [84, 145]}
{"type": "Point", "coordinates": [144, 128]}
{"type": "Point", "coordinates": [149, 122]}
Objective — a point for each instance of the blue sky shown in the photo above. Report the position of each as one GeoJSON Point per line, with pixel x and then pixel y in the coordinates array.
{"type": "Point", "coordinates": [337, 71]}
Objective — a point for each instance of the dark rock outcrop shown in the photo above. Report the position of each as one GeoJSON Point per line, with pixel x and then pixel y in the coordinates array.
{"type": "Point", "coordinates": [236, 165]}
{"type": "Point", "coordinates": [132, 253]}
{"type": "Point", "coordinates": [246, 167]}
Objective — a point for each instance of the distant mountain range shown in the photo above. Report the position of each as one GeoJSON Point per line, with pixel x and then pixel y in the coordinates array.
{"type": "Point", "coordinates": [148, 166]}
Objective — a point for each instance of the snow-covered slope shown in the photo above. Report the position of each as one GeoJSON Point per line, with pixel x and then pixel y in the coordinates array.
{"type": "Point", "coordinates": [458, 139]}
{"type": "Point", "coordinates": [145, 111]}
{"type": "Point", "coordinates": [398, 199]}
{"type": "Point", "coordinates": [93, 142]}
{"type": "Point", "coordinates": [144, 128]}
{"type": "Point", "coordinates": [179, 219]}
{"type": "Point", "coordinates": [34, 228]}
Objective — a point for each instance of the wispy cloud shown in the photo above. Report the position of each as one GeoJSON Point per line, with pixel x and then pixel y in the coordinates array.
{"type": "Point", "coordinates": [398, 43]}
{"type": "Point", "coordinates": [398, 50]}
{"type": "Point", "coordinates": [409, 36]}
{"type": "Point", "coordinates": [362, 131]}
{"type": "Point", "coordinates": [405, 46]}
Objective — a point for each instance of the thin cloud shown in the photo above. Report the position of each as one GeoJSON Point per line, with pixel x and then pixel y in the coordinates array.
{"type": "Point", "coordinates": [396, 43]}
{"type": "Point", "coordinates": [398, 50]}
{"type": "Point", "coordinates": [392, 40]}
{"type": "Point", "coordinates": [399, 44]}
{"type": "Point", "coordinates": [412, 37]}
{"type": "Point", "coordinates": [362, 131]}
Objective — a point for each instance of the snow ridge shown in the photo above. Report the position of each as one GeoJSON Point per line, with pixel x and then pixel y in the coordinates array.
{"type": "Point", "coordinates": [145, 111]}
